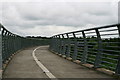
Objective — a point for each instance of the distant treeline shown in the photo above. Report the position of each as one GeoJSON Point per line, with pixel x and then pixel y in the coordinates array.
{"type": "Point", "coordinates": [38, 37]}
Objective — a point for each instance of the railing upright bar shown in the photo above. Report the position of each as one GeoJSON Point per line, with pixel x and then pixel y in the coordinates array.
{"type": "Point", "coordinates": [117, 71]}
{"type": "Point", "coordinates": [7, 44]}
{"type": "Point", "coordinates": [3, 44]}
{"type": "Point", "coordinates": [14, 47]}
{"type": "Point", "coordinates": [84, 56]}
{"type": "Point", "coordinates": [69, 46]}
{"type": "Point", "coordinates": [11, 44]}
{"type": "Point", "coordinates": [98, 55]}
{"type": "Point", "coordinates": [57, 43]}
{"type": "Point", "coordinates": [63, 45]}
{"type": "Point", "coordinates": [74, 56]}
{"type": "Point", "coordinates": [0, 50]}
{"type": "Point", "coordinates": [54, 43]}
{"type": "Point", "coordinates": [6, 37]}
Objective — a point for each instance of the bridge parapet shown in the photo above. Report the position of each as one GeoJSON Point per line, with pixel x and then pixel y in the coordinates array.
{"type": "Point", "coordinates": [99, 46]}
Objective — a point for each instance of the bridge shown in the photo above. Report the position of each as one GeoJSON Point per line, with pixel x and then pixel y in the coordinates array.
{"type": "Point", "coordinates": [86, 54]}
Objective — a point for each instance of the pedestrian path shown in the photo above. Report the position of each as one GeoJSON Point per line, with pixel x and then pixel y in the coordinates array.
{"type": "Point", "coordinates": [23, 65]}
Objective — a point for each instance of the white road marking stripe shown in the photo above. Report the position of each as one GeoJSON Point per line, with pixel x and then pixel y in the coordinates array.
{"type": "Point", "coordinates": [45, 70]}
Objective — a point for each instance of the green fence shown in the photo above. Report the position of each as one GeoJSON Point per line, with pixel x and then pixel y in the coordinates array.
{"type": "Point", "coordinates": [10, 43]}
{"type": "Point", "coordinates": [99, 46]}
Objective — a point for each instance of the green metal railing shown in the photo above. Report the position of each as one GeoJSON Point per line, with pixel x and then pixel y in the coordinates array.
{"type": "Point", "coordinates": [10, 43]}
{"type": "Point", "coordinates": [97, 46]}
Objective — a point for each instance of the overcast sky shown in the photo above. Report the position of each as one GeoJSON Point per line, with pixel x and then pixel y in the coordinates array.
{"type": "Point", "coordinates": [49, 17]}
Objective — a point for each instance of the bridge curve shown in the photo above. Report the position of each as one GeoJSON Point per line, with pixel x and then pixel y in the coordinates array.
{"type": "Point", "coordinates": [23, 66]}
{"type": "Point", "coordinates": [97, 48]}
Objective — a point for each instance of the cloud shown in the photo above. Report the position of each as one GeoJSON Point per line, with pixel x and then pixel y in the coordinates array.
{"type": "Point", "coordinates": [51, 17]}
{"type": "Point", "coordinates": [43, 30]}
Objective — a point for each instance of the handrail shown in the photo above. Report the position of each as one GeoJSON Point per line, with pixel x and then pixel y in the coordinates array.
{"type": "Point", "coordinates": [91, 46]}
{"type": "Point", "coordinates": [90, 29]}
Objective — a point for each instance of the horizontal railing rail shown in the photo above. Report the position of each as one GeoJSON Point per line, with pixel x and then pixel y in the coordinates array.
{"type": "Point", "coordinates": [97, 46]}
{"type": "Point", "coordinates": [10, 43]}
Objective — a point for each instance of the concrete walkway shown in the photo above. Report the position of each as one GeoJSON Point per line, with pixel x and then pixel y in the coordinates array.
{"type": "Point", "coordinates": [23, 65]}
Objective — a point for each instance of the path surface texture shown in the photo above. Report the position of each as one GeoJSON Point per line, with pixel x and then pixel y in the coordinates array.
{"type": "Point", "coordinates": [46, 65]}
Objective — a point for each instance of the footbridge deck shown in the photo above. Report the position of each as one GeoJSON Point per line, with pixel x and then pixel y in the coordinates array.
{"type": "Point", "coordinates": [23, 65]}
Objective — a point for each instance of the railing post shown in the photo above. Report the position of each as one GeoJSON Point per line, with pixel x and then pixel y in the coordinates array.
{"type": "Point", "coordinates": [117, 71]}
{"type": "Point", "coordinates": [69, 46]}
{"type": "Point", "coordinates": [56, 43]}
{"type": "Point", "coordinates": [74, 56]}
{"type": "Point", "coordinates": [55, 48]}
{"type": "Point", "coordinates": [98, 55]}
{"type": "Point", "coordinates": [64, 45]}
{"type": "Point", "coordinates": [7, 41]}
{"type": "Point", "coordinates": [6, 38]}
{"type": "Point", "coordinates": [10, 44]}
{"type": "Point", "coordinates": [0, 51]}
{"type": "Point", "coordinates": [59, 44]}
{"type": "Point", "coordinates": [3, 43]}
{"type": "Point", "coordinates": [84, 56]}
{"type": "Point", "coordinates": [60, 50]}
{"type": "Point", "coordinates": [50, 44]}
{"type": "Point", "coordinates": [14, 43]}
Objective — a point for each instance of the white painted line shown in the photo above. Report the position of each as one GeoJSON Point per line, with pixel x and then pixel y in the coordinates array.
{"type": "Point", "coordinates": [45, 70]}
